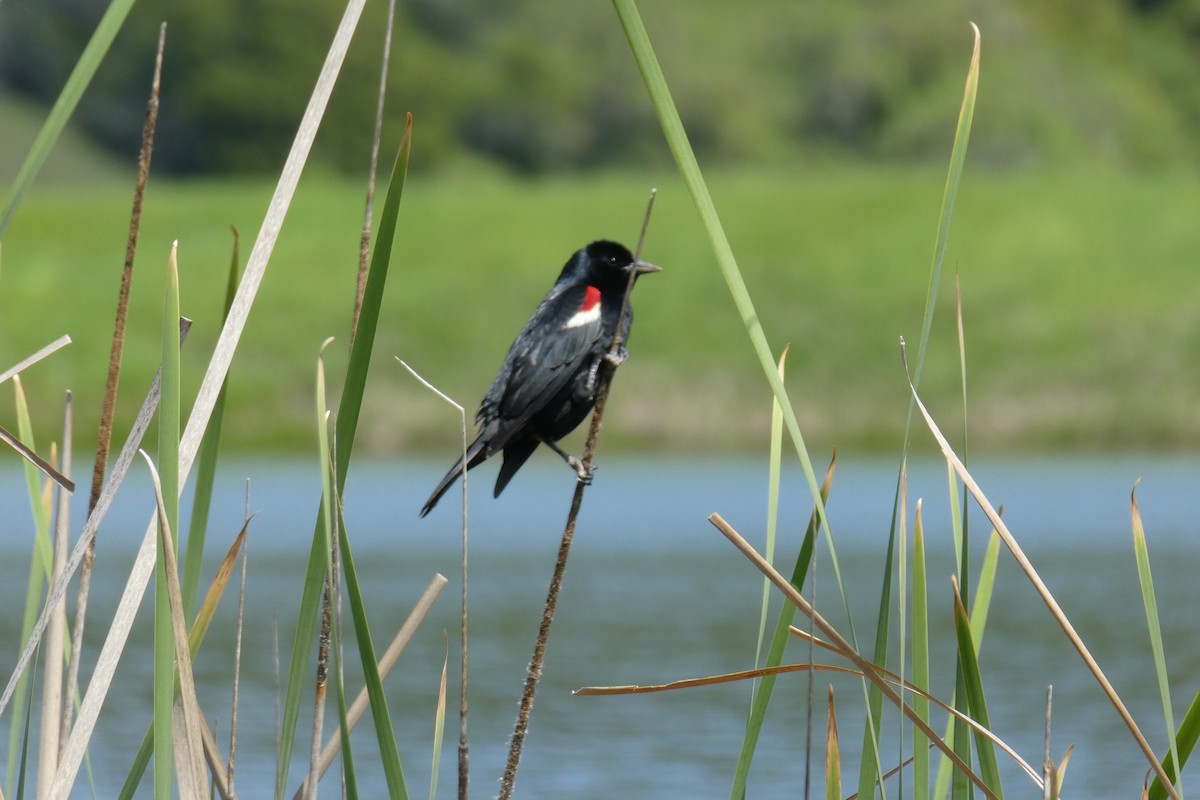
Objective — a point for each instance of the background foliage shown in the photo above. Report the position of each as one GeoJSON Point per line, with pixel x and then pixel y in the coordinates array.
{"type": "Point", "coordinates": [546, 86]}
{"type": "Point", "coordinates": [823, 128]}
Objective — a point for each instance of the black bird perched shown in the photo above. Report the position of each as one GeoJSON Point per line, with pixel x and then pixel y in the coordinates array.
{"type": "Point", "coordinates": [547, 384]}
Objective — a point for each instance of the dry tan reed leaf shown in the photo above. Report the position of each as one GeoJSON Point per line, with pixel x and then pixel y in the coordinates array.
{"type": "Point", "coordinates": [1043, 592]}
{"type": "Point", "coordinates": [869, 670]}
{"type": "Point", "coordinates": [833, 753]}
{"type": "Point", "coordinates": [29, 361]}
{"type": "Point", "coordinates": [206, 398]}
{"type": "Point", "coordinates": [27, 453]}
{"type": "Point", "coordinates": [189, 748]}
{"type": "Point", "coordinates": [386, 662]}
{"type": "Point", "coordinates": [50, 732]}
{"type": "Point", "coordinates": [120, 469]}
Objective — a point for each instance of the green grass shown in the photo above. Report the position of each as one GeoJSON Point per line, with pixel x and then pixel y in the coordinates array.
{"type": "Point", "coordinates": [74, 160]}
{"type": "Point", "coordinates": [1072, 285]}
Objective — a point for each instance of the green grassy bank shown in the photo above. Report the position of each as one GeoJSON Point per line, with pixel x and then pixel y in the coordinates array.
{"type": "Point", "coordinates": [1081, 317]}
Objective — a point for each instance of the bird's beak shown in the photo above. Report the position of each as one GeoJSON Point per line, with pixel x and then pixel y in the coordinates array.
{"type": "Point", "coordinates": [642, 267]}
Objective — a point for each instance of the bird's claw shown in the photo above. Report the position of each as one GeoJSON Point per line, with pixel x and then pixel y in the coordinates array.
{"type": "Point", "coordinates": [616, 359]}
{"type": "Point", "coordinates": [585, 473]}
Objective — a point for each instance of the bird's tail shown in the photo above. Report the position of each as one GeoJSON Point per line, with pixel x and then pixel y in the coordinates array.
{"type": "Point", "coordinates": [475, 455]}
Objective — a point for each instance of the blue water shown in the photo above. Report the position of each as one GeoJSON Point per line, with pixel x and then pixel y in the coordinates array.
{"type": "Point", "coordinates": [654, 593]}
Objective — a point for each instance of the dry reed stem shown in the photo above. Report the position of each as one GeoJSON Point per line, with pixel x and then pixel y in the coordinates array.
{"type": "Point", "coordinates": [464, 757]}
{"type": "Point", "coordinates": [29, 361]}
{"type": "Point", "coordinates": [29, 455]}
{"type": "Point", "coordinates": [59, 587]}
{"type": "Point", "coordinates": [1043, 592]}
{"type": "Point", "coordinates": [187, 718]}
{"type": "Point", "coordinates": [106, 665]}
{"type": "Point", "coordinates": [214, 377]}
{"type": "Point", "coordinates": [237, 647]}
{"type": "Point", "coordinates": [325, 642]}
{"type": "Point", "coordinates": [222, 780]}
{"type": "Point", "coordinates": [868, 669]}
{"type": "Point", "coordinates": [52, 670]}
{"type": "Point", "coordinates": [388, 660]}
{"type": "Point", "coordinates": [833, 754]}
{"type": "Point", "coordinates": [534, 674]}
{"type": "Point", "coordinates": [189, 776]}
{"type": "Point", "coordinates": [104, 435]}
{"type": "Point", "coordinates": [364, 242]}
{"type": "Point", "coordinates": [811, 668]}
{"type": "Point", "coordinates": [1047, 763]}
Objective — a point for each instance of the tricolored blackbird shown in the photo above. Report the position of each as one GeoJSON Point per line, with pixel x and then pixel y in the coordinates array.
{"type": "Point", "coordinates": [547, 384]}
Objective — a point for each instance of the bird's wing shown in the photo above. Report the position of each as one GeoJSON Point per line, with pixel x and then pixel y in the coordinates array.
{"type": "Point", "coordinates": [543, 359]}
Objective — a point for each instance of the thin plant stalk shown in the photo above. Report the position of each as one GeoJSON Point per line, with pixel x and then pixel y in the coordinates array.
{"type": "Point", "coordinates": [463, 748]}
{"type": "Point", "coordinates": [1185, 741]}
{"type": "Point", "coordinates": [920, 650]}
{"type": "Point", "coordinates": [30, 360]}
{"type": "Point", "coordinates": [187, 718]}
{"type": "Point", "coordinates": [439, 721]}
{"type": "Point", "coordinates": [1044, 593]}
{"type": "Point", "coordinates": [328, 585]}
{"type": "Point", "coordinates": [1142, 556]}
{"type": "Point", "coordinates": [689, 169]}
{"type": "Point", "coordinates": [868, 771]}
{"type": "Point", "coordinates": [385, 734]}
{"type": "Point", "coordinates": [56, 121]}
{"type": "Point", "coordinates": [353, 387]}
{"type": "Point", "coordinates": [128, 452]}
{"type": "Point", "coordinates": [168, 454]}
{"type": "Point", "coordinates": [319, 695]}
{"type": "Point", "coordinates": [206, 464]}
{"type": "Point", "coordinates": [196, 635]}
{"type": "Point", "coordinates": [833, 757]}
{"type": "Point", "coordinates": [774, 469]}
{"type": "Point", "coordinates": [973, 696]}
{"type": "Point", "coordinates": [112, 381]}
{"type": "Point", "coordinates": [762, 697]}
{"type": "Point", "coordinates": [218, 366]}
{"type": "Point", "coordinates": [364, 243]}
{"type": "Point", "coordinates": [869, 671]}
{"type": "Point", "coordinates": [534, 672]}
{"type": "Point", "coordinates": [237, 651]}
{"type": "Point", "coordinates": [52, 680]}
{"type": "Point", "coordinates": [39, 569]}
{"type": "Point", "coordinates": [386, 662]}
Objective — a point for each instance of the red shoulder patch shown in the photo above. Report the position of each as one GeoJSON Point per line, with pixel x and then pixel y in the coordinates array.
{"type": "Point", "coordinates": [591, 299]}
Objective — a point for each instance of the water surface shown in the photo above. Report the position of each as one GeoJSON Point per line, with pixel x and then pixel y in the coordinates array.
{"type": "Point", "coordinates": [654, 593]}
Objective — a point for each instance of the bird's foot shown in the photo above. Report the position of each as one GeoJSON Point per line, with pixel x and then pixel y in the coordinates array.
{"type": "Point", "coordinates": [618, 358]}
{"type": "Point", "coordinates": [585, 472]}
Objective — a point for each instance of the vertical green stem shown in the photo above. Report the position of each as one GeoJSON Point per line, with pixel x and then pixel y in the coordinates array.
{"type": "Point", "coordinates": [168, 456]}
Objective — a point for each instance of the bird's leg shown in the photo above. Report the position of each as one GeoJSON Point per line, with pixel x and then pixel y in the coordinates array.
{"type": "Point", "coordinates": [589, 386]}
{"type": "Point", "coordinates": [612, 359]}
{"type": "Point", "coordinates": [585, 475]}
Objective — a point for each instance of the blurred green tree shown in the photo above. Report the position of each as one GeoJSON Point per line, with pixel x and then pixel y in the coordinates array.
{"type": "Point", "coordinates": [540, 87]}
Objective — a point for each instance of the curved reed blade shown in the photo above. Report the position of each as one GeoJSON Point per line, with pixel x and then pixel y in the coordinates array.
{"type": "Point", "coordinates": [346, 426]}
{"type": "Point", "coordinates": [128, 451]}
{"type": "Point", "coordinates": [386, 662]}
{"type": "Point", "coordinates": [833, 754]}
{"type": "Point", "coordinates": [64, 106]}
{"type": "Point", "coordinates": [1044, 593]}
{"type": "Point", "coordinates": [972, 679]}
{"type": "Point", "coordinates": [183, 730]}
{"type": "Point", "coordinates": [869, 670]}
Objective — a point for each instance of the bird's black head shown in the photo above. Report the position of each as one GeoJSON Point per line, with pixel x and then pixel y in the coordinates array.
{"type": "Point", "coordinates": [606, 265]}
